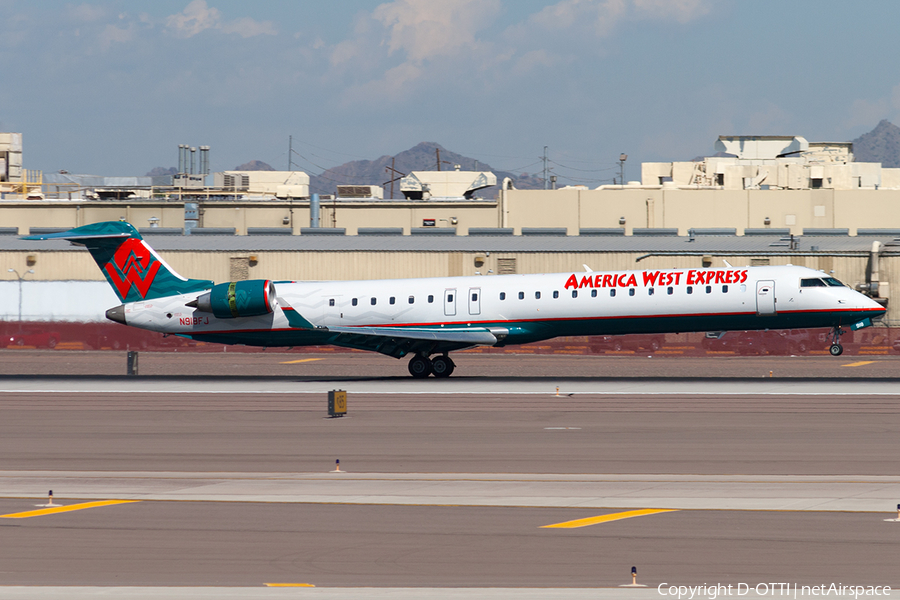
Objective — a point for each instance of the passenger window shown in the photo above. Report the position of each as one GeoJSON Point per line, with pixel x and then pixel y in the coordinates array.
{"type": "Point", "coordinates": [612, 293]}
{"type": "Point", "coordinates": [331, 302]}
{"type": "Point", "coordinates": [631, 291]}
{"type": "Point", "coordinates": [555, 294]}
{"type": "Point", "coordinates": [354, 302]}
{"type": "Point", "coordinates": [474, 297]}
{"type": "Point", "coordinates": [521, 295]}
{"type": "Point", "coordinates": [537, 295]}
{"type": "Point", "coordinates": [574, 293]}
{"type": "Point", "coordinates": [593, 293]}
{"type": "Point", "coordinates": [650, 292]}
{"type": "Point", "coordinates": [690, 289]}
{"type": "Point", "coordinates": [412, 299]}
{"type": "Point", "coordinates": [724, 289]}
{"type": "Point", "coordinates": [449, 297]}
{"type": "Point", "coordinates": [392, 300]}
{"type": "Point", "coordinates": [503, 295]}
{"type": "Point", "coordinates": [671, 290]}
{"type": "Point", "coordinates": [743, 287]}
{"type": "Point", "coordinates": [709, 289]}
{"type": "Point", "coordinates": [430, 299]}
{"type": "Point", "coordinates": [373, 301]}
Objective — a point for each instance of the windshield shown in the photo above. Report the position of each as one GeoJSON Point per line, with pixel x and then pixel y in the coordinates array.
{"type": "Point", "coordinates": [823, 282]}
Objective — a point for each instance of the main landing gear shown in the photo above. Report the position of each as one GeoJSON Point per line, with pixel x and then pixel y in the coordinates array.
{"type": "Point", "coordinates": [421, 366]}
{"type": "Point", "coordinates": [836, 349]}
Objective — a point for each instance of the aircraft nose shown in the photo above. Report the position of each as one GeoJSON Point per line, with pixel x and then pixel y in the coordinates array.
{"type": "Point", "coordinates": [877, 309]}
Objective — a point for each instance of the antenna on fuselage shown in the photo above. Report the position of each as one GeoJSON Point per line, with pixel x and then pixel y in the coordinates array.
{"type": "Point", "coordinates": [727, 264]}
{"type": "Point", "coordinates": [588, 269]}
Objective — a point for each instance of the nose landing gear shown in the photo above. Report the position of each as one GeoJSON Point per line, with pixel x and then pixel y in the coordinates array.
{"type": "Point", "coordinates": [836, 349]}
{"type": "Point", "coordinates": [421, 366]}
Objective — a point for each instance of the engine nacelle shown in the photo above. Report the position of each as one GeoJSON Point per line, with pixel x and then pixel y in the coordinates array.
{"type": "Point", "coordinates": [238, 299]}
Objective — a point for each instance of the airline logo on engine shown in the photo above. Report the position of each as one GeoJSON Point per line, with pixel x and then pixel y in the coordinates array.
{"type": "Point", "coordinates": [653, 278]}
{"type": "Point", "coordinates": [132, 264]}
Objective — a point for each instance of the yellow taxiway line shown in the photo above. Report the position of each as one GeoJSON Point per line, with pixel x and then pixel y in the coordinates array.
{"type": "Point", "coordinates": [302, 360]}
{"type": "Point", "coordinates": [61, 509]}
{"type": "Point", "coordinates": [859, 364]}
{"type": "Point", "coordinates": [607, 518]}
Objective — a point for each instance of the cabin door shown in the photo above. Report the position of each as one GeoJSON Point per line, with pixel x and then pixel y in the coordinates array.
{"type": "Point", "coordinates": [765, 298]}
{"type": "Point", "coordinates": [450, 302]}
{"type": "Point", "coordinates": [474, 301]}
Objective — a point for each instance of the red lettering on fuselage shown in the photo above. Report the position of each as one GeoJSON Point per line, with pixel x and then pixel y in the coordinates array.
{"type": "Point", "coordinates": [652, 278]}
{"type": "Point", "coordinates": [194, 321]}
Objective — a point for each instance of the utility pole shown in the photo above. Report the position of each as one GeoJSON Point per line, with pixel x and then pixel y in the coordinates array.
{"type": "Point", "coordinates": [546, 178]}
{"type": "Point", "coordinates": [395, 175]}
{"type": "Point", "coordinates": [290, 153]}
{"type": "Point", "coordinates": [622, 158]}
{"type": "Point", "coordinates": [21, 279]}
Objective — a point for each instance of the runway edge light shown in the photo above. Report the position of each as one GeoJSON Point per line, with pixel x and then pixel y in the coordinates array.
{"type": "Point", "coordinates": [634, 582]}
{"type": "Point", "coordinates": [897, 520]}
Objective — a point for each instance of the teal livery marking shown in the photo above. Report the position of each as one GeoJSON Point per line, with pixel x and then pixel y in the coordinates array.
{"type": "Point", "coordinates": [133, 270]}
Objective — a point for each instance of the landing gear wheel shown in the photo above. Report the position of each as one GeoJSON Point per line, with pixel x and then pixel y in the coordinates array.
{"type": "Point", "coordinates": [420, 367]}
{"type": "Point", "coordinates": [442, 366]}
{"type": "Point", "coordinates": [836, 349]}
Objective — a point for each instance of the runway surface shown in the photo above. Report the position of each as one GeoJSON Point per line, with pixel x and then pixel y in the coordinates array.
{"type": "Point", "coordinates": [447, 486]}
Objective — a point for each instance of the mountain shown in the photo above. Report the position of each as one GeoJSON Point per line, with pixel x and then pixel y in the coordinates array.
{"type": "Point", "coordinates": [162, 172]}
{"type": "Point", "coordinates": [254, 165]}
{"type": "Point", "coordinates": [882, 144]}
{"type": "Point", "coordinates": [422, 157]}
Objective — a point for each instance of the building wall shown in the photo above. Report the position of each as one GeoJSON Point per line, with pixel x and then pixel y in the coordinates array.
{"type": "Point", "coordinates": [572, 209]}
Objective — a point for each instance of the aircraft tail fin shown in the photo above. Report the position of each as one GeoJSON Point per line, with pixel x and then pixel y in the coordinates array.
{"type": "Point", "coordinates": [129, 264]}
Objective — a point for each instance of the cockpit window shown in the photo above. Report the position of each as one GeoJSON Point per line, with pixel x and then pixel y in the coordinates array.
{"type": "Point", "coordinates": [812, 283]}
{"type": "Point", "coordinates": [823, 282]}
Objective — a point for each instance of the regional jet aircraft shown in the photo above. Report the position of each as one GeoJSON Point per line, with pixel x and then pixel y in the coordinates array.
{"type": "Point", "coordinates": [429, 318]}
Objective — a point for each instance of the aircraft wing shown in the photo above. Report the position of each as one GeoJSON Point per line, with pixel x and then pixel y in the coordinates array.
{"type": "Point", "coordinates": [401, 341]}
{"type": "Point", "coordinates": [396, 341]}
{"type": "Point", "coordinates": [469, 335]}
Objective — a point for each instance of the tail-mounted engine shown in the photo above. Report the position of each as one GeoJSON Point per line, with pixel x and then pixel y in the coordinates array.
{"type": "Point", "coordinates": [238, 299]}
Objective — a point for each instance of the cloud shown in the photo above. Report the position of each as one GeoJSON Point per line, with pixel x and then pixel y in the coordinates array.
{"type": "Point", "coordinates": [405, 43]}
{"type": "Point", "coordinates": [600, 16]}
{"type": "Point", "coordinates": [86, 12]}
{"type": "Point", "coordinates": [112, 34]}
{"type": "Point", "coordinates": [682, 11]}
{"type": "Point", "coordinates": [424, 30]}
{"type": "Point", "coordinates": [198, 17]}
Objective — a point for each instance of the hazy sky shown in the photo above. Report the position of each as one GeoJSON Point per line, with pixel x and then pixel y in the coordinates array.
{"type": "Point", "coordinates": [112, 87]}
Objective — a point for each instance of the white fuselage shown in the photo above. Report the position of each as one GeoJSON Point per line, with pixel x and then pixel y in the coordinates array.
{"type": "Point", "coordinates": [540, 306]}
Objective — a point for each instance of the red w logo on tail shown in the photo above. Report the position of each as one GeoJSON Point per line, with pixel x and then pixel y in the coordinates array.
{"type": "Point", "coordinates": [132, 264]}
